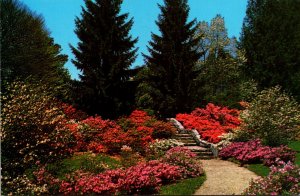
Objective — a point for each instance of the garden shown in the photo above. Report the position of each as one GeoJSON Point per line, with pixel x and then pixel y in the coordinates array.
{"type": "Point", "coordinates": [202, 100]}
{"type": "Point", "coordinates": [53, 148]}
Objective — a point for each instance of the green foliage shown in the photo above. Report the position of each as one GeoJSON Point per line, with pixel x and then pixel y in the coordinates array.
{"type": "Point", "coordinates": [184, 187]}
{"type": "Point", "coordinates": [219, 69]}
{"type": "Point", "coordinates": [270, 37]}
{"type": "Point", "coordinates": [259, 169]}
{"type": "Point", "coordinates": [170, 67]}
{"type": "Point", "coordinates": [104, 54]}
{"type": "Point", "coordinates": [295, 145]}
{"type": "Point", "coordinates": [28, 49]}
{"type": "Point", "coordinates": [30, 128]}
{"type": "Point", "coordinates": [219, 81]}
{"type": "Point", "coordinates": [273, 117]}
{"type": "Point", "coordinates": [86, 162]}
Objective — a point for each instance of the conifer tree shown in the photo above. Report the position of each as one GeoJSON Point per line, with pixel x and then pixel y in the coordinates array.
{"type": "Point", "coordinates": [104, 54]}
{"type": "Point", "coordinates": [170, 66]}
{"type": "Point", "coordinates": [271, 39]}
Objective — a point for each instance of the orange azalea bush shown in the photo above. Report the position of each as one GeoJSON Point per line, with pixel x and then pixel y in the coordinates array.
{"type": "Point", "coordinates": [211, 122]}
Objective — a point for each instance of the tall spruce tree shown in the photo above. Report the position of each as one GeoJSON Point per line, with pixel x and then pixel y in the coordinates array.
{"type": "Point", "coordinates": [271, 39]}
{"type": "Point", "coordinates": [104, 54]}
{"type": "Point", "coordinates": [170, 67]}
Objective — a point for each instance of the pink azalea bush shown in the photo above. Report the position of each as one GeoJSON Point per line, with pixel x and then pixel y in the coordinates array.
{"type": "Point", "coordinates": [253, 151]}
{"type": "Point", "coordinates": [140, 179]}
{"type": "Point", "coordinates": [184, 158]}
{"type": "Point", "coordinates": [283, 179]}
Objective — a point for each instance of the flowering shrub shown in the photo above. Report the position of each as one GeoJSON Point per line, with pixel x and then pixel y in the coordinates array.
{"type": "Point", "coordinates": [142, 129]}
{"type": "Point", "coordinates": [72, 113]}
{"type": "Point", "coordinates": [184, 158]}
{"type": "Point", "coordinates": [22, 185]}
{"type": "Point", "coordinates": [158, 148]}
{"type": "Point", "coordinates": [140, 179]}
{"type": "Point", "coordinates": [211, 122]}
{"type": "Point", "coordinates": [273, 117]}
{"type": "Point", "coordinates": [31, 129]}
{"type": "Point", "coordinates": [254, 151]}
{"type": "Point", "coordinates": [162, 130]}
{"type": "Point", "coordinates": [282, 180]}
{"type": "Point", "coordinates": [129, 157]}
{"type": "Point", "coordinates": [146, 178]}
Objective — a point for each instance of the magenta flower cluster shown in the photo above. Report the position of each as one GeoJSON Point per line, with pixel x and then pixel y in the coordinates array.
{"type": "Point", "coordinates": [143, 178]}
{"type": "Point", "coordinates": [253, 151]}
{"type": "Point", "coordinates": [140, 179]}
{"type": "Point", "coordinates": [283, 179]}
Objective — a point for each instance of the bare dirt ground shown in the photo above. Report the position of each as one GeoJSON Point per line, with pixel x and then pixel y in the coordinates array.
{"type": "Point", "coordinates": [224, 178]}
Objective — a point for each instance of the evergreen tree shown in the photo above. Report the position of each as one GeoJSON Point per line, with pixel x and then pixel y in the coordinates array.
{"type": "Point", "coordinates": [104, 55]}
{"type": "Point", "coordinates": [27, 50]}
{"type": "Point", "coordinates": [171, 64]}
{"type": "Point", "coordinates": [271, 39]}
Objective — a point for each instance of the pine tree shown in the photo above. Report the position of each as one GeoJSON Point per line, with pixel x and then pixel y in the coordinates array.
{"type": "Point", "coordinates": [271, 39]}
{"type": "Point", "coordinates": [172, 59]}
{"type": "Point", "coordinates": [104, 55]}
{"type": "Point", "coordinates": [27, 50]}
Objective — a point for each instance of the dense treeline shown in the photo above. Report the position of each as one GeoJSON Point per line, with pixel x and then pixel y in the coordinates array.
{"type": "Point", "coordinates": [189, 64]}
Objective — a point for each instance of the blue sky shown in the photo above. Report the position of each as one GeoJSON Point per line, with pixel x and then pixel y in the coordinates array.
{"type": "Point", "coordinates": [59, 18]}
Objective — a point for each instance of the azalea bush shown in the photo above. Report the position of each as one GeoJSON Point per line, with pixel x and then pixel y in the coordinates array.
{"type": "Point", "coordinates": [143, 129]}
{"type": "Point", "coordinates": [253, 152]}
{"type": "Point", "coordinates": [129, 157]}
{"type": "Point", "coordinates": [211, 122]}
{"type": "Point", "coordinates": [282, 180]}
{"type": "Point", "coordinates": [272, 116]}
{"type": "Point", "coordinates": [185, 159]}
{"type": "Point", "coordinates": [31, 129]}
{"type": "Point", "coordinates": [159, 147]}
{"type": "Point", "coordinates": [144, 178]}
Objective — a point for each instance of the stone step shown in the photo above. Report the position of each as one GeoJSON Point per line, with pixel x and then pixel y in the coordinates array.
{"type": "Point", "coordinates": [205, 157]}
{"type": "Point", "coordinates": [183, 134]}
{"type": "Point", "coordinates": [186, 140]}
{"type": "Point", "coordinates": [199, 154]}
{"type": "Point", "coordinates": [197, 148]}
{"type": "Point", "coordinates": [190, 144]}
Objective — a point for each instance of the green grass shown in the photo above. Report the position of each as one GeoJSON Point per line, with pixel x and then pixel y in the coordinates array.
{"type": "Point", "coordinates": [295, 145]}
{"type": "Point", "coordinates": [85, 162]}
{"type": "Point", "coordinates": [262, 170]}
{"type": "Point", "coordinates": [184, 187]}
{"type": "Point", "coordinates": [259, 169]}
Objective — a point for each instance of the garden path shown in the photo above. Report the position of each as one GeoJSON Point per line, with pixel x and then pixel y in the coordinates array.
{"type": "Point", "coordinates": [224, 178]}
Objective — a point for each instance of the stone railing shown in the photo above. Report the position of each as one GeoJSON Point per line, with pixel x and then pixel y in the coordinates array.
{"type": "Point", "coordinates": [196, 136]}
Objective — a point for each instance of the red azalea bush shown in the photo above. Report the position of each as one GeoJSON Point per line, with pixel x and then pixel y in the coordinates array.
{"type": "Point", "coordinates": [253, 151]}
{"type": "Point", "coordinates": [185, 159]}
{"type": "Point", "coordinates": [283, 180]}
{"type": "Point", "coordinates": [211, 122]}
{"type": "Point", "coordinates": [98, 135]}
{"type": "Point", "coordinates": [142, 129]}
{"type": "Point", "coordinates": [71, 112]}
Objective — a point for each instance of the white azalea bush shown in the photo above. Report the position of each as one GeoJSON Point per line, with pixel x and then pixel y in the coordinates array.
{"type": "Point", "coordinates": [158, 148]}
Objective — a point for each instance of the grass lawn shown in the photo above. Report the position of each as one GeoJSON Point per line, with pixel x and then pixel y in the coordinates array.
{"type": "Point", "coordinates": [184, 187]}
{"type": "Point", "coordinates": [259, 169]}
{"type": "Point", "coordinates": [86, 162]}
{"type": "Point", "coordinates": [295, 145]}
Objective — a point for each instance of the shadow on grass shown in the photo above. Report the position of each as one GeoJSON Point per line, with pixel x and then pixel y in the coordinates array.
{"type": "Point", "coordinates": [184, 187]}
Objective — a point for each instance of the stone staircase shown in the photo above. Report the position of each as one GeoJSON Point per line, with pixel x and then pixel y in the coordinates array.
{"type": "Point", "coordinates": [202, 150]}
